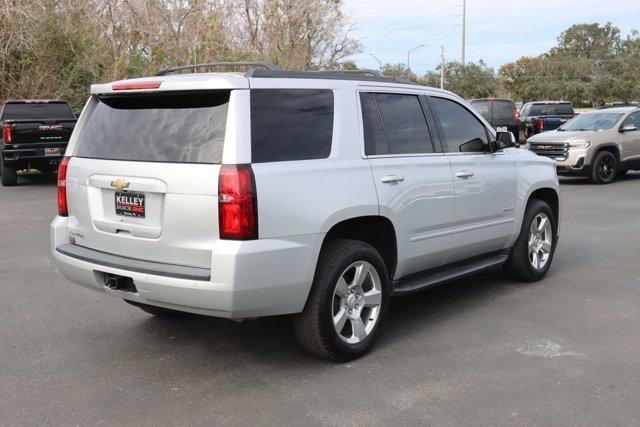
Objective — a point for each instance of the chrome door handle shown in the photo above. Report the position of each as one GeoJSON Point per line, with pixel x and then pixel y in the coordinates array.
{"type": "Point", "coordinates": [391, 179]}
{"type": "Point", "coordinates": [464, 174]}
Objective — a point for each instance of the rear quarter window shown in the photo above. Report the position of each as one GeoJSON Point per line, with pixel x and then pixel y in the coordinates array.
{"type": "Point", "coordinates": [291, 124]}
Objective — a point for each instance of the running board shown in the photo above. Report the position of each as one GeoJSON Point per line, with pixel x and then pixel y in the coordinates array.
{"type": "Point", "coordinates": [436, 276]}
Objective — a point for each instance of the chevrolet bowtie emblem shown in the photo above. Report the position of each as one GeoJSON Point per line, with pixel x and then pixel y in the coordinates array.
{"type": "Point", "coordinates": [120, 184]}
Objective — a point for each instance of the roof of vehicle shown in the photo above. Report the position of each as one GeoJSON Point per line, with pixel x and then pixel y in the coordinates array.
{"type": "Point", "coordinates": [550, 102]}
{"type": "Point", "coordinates": [625, 109]}
{"type": "Point", "coordinates": [492, 99]}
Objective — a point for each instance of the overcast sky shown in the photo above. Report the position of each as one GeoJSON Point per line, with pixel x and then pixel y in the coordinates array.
{"type": "Point", "coordinates": [498, 31]}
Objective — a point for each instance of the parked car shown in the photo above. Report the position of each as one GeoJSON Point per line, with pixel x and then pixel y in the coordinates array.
{"type": "Point", "coordinates": [502, 114]}
{"type": "Point", "coordinates": [34, 135]}
{"type": "Point", "coordinates": [601, 144]}
{"type": "Point", "coordinates": [313, 194]}
{"type": "Point", "coordinates": [542, 116]}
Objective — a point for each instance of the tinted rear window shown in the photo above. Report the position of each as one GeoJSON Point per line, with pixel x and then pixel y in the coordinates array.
{"type": "Point", "coordinates": [503, 110]}
{"type": "Point", "coordinates": [483, 108]}
{"type": "Point", "coordinates": [37, 111]}
{"type": "Point", "coordinates": [291, 124]}
{"type": "Point", "coordinates": [159, 127]}
{"type": "Point", "coordinates": [551, 109]}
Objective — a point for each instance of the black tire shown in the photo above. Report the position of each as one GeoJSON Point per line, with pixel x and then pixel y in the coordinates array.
{"type": "Point", "coordinates": [9, 175]}
{"type": "Point", "coordinates": [519, 265]}
{"type": "Point", "coordinates": [156, 311]}
{"type": "Point", "coordinates": [605, 168]}
{"type": "Point", "coordinates": [314, 327]}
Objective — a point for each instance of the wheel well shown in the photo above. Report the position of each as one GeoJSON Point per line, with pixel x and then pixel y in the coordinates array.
{"type": "Point", "coordinates": [549, 196]}
{"type": "Point", "coordinates": [611, 148]}
{"type": "Point", "coordinates": [377, 231]}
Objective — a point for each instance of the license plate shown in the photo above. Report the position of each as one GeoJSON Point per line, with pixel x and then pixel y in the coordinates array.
{"type": "Point", "coordinates": [51, 151]}
{"type": "Point", "coordinates": [502, 129]}
{"type": "Point", "coordinates": [130, 204]}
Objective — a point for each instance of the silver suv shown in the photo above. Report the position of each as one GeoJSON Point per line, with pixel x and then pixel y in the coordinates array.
{"type": "Point", "coordinates": [312, 194]}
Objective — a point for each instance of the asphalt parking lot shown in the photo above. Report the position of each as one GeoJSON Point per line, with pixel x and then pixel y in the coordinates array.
{"type": "Point", "coordinates": [482, 350]}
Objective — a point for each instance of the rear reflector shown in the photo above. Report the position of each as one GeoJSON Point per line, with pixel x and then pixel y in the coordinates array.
{"type": "Point", "coordinates": [136, 85]}
{"type": "Point", "coordinates": [6, 133]}
{"type": "Point", "coordinates": [62, 187]}
{"type": "Point", "coordinates": [237, 203]}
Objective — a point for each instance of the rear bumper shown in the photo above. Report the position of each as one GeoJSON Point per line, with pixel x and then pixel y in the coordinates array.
{"type": "Point", "coordinates": [32, 152]}
{"type": "Point", "coordinates": [248, 278]}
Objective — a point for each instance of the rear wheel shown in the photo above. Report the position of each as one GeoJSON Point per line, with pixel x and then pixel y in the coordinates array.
{"type": "Point", "coordinates": [347, 303]}
{"type": "Point", "coordinates": [9, 175]}
{"type": "Point", "coordinates": [605, 168]}
{"type": "Point", "coordinates": [531, 255]}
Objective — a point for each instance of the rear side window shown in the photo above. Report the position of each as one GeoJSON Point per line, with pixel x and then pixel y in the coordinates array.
{"type": "Point", "coordinates": [159, 127]}
{"type": "Point", "coordinates": [405, 127]}
{"type": "Point", "coordinates": [291, 124]}
{"type": "Point", "coordinates": [460, 131]}
{"type": "Point", "coordinates": [37, 111]}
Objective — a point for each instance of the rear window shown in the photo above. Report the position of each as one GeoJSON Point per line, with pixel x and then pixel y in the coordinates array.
{"type": "Point", "coordinates": [551, 110]}
{"type": "Point", "coordinates": [291, 124]}
{"type": "Point", "coordinates": [483, 108]}
{"type": "Point", "coordinates": [160, 127]}
{"type": "Point", "coordinates": [503, 110]}
{"type": "Point", "coordinates": [37, 111]}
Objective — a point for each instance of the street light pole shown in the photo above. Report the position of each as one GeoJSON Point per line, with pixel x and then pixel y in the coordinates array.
{"type": "Point", "coordinates": [464, 30]}
{"type": "Point", "coordinates": [376, 58]}
{"type": "Point", "coordinates": [409, 54]}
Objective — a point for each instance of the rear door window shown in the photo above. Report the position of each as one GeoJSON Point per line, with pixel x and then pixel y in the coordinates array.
{"type": "Point", "coordinates": [37, 111]}
{"type": "Point", "coordinates": [394, 124]}
{"type": "Point", "coordinates": [159, 127]}
{"type": "Point", "coordinates": [291, 124]}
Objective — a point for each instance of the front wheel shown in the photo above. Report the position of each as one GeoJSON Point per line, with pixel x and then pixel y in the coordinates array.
{"type": "Point", "coordinates": [347, 303]}
{"type": "Point", "coordinates": [531, 255]}
{"type": "Point", "coordinates": [605, 168]}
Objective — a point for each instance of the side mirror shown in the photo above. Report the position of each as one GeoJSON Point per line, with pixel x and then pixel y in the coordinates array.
{"type": "Point", "coordinates": [628, 128]}
{"type": "Point", "coordinates": [505, 140]}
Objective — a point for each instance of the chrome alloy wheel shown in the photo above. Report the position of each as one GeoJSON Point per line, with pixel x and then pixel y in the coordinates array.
{"type": "Point", "coordinates": [540, 241]}
{"type": "Point", "coordinates": [357, 301]}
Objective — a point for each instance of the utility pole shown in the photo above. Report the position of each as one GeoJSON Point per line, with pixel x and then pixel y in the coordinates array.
{"type": "Point", "coordinates": [442, 67]}
{"type": "Point", "coordinates": [464, 30]}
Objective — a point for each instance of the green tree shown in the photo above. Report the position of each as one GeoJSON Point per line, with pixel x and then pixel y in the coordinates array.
{"type": "Point", "coordinates": [468, 81]}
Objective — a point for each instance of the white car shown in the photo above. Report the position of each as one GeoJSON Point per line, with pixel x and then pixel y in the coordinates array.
{"type": "Point", "coordinates": [312, 194]}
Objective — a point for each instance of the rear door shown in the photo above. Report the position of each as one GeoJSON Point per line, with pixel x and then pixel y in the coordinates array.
{"type": "Point", "coordinates": [631, 142]}
{"type": "Point", "coordinates": [484, 182]}
{"type": "Point", "coordinates": [412, 179]}
{"type": "Point", "coordinates": [143, 179]}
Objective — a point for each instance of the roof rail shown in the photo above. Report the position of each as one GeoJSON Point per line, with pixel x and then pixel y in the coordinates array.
{"type": "Point", "coordinates": [265, 65]}
{"type": "Point", "coordinates": [364, 75]}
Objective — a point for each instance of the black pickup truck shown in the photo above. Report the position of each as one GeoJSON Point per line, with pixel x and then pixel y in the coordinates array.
{"type": "Point", "coordinates": [34, 134]}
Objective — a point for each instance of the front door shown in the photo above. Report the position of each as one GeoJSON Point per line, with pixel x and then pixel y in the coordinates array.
{"type": "Point", "coordinates": [484, 182]}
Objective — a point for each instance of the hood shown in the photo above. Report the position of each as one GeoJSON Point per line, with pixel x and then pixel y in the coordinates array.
{"type": "Point", "coordinates": [564, 136]}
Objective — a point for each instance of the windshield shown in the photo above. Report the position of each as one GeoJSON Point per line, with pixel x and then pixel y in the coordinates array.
{"type": "Point", "coordinates": [551, 110]}
{"type": "Point", "coordinates": [592, 122]}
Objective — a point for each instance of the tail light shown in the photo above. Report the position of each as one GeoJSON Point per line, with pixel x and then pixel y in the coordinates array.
{"type": "Point", "coordinates": [540, 124]}
{"type": "Point", "coordinates": [62, 187]}
{"type": "Point", "coordinates": [516, 114]}
{"type": "Point", "coordinates": [237, 203]}
{"type": "Point", "coordinates": [6, 133]}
